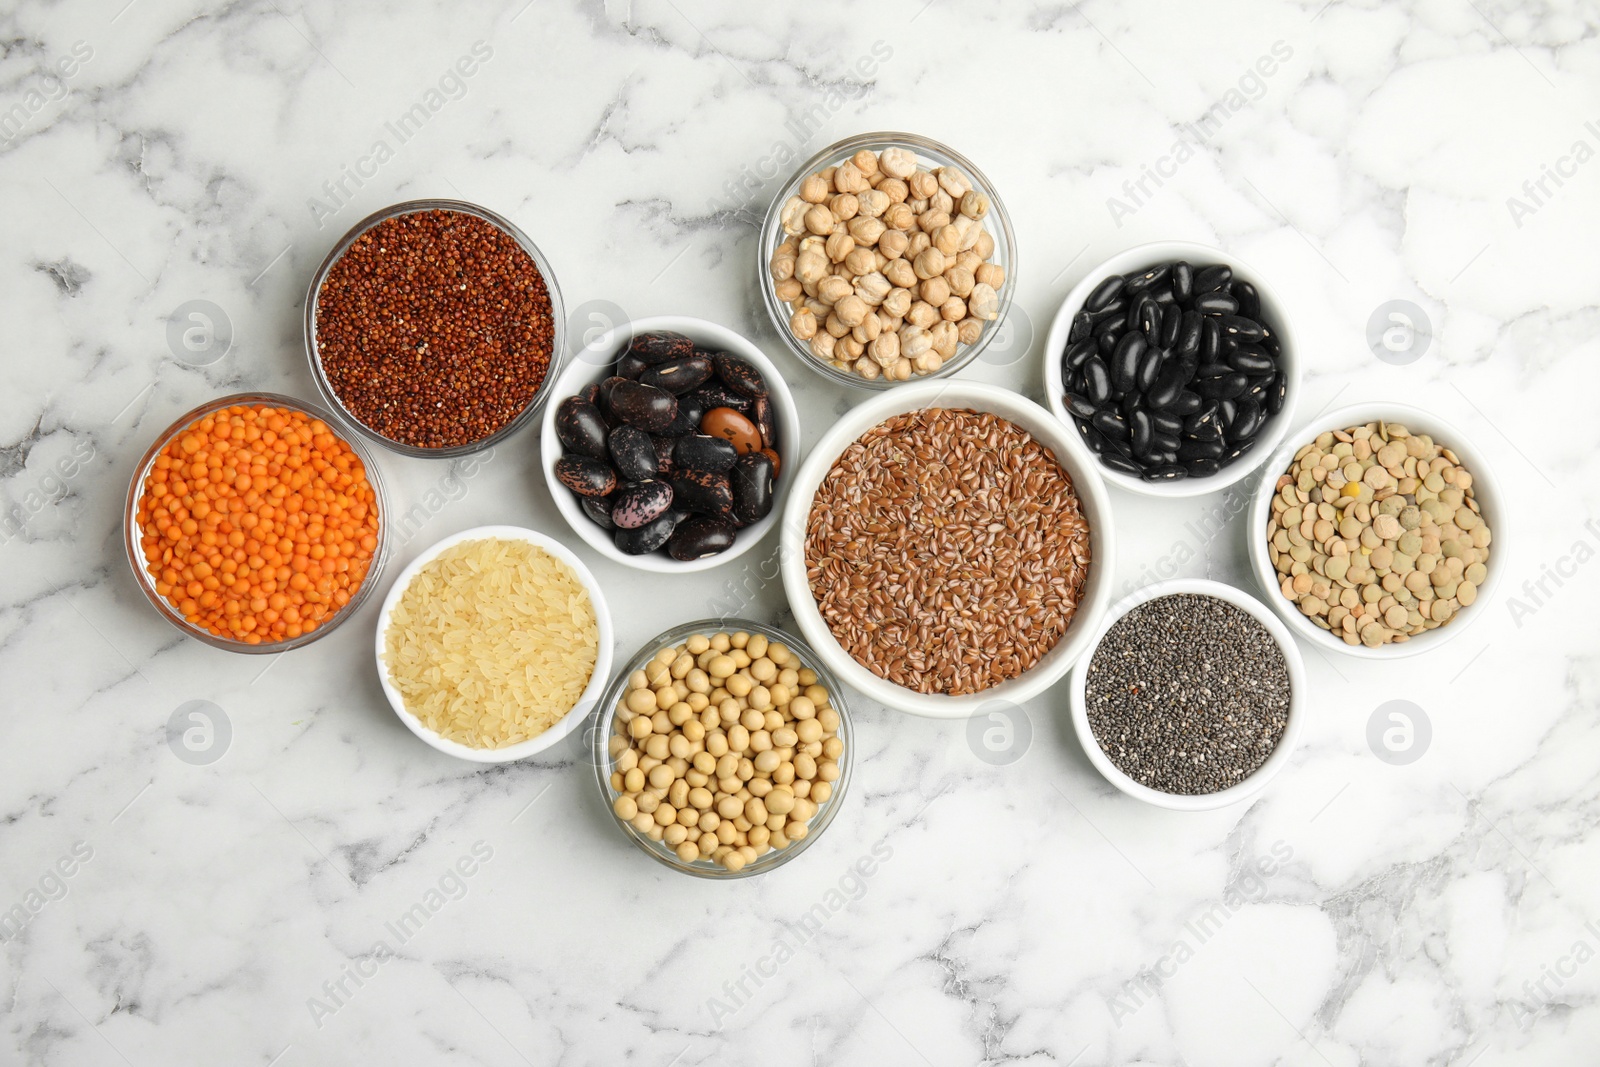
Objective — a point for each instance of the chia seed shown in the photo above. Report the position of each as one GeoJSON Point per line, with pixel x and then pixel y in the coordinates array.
{"type": "Point", "coordinates": [1188, 694]}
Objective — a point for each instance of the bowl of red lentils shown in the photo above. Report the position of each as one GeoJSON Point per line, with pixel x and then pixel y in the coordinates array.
{"type": "Point", "coordinates": [256, 523]}
{"type": "Point", "coordinates": [435, 327]}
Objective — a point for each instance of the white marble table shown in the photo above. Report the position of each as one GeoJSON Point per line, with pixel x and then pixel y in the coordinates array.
{"type": "Point", "coordinates": [1446, 911]}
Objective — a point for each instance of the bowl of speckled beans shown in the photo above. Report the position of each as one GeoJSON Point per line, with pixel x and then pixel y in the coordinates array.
{"type": "Point", "coordinates": [1191, 696]}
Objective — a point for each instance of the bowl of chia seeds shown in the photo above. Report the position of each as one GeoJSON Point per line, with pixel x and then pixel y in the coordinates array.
{"type": "Point", "coordinates": [1191, 697]}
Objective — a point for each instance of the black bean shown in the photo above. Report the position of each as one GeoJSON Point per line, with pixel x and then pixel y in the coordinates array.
{"type": "Point", "coordinates": [739, 375]}
{"type": "Point", "coordinates": [649, 537]}
{"type": "Point", "coordinates": [591, 393]}
{"type": "Point", "coordinates": [644, 406]}
{"type": "Point", "coordinates": [1208, 279]}
{"type": "Point", "coordinates": [1211, 430]}
{"type": "Point", "coordinates": [1187, 403]}
{"type": "Point", "coordinates": [1125, 361]}
{"type": "Point", "coordinates": [1171, 319]}
{"type": "Point", "coordinates": [1080, 406]}
{"type": "Point", "coordinates": [1149, 368]}
{"type": "Point", "coordinates": [1165, 442]}
{"type": "Point", "coordinates": [1252, 359]}
{"type": "Point", "coordinates": [1229, 385]}
{"type": "Point", "coordinates": [638, 503]}
{"type": "Point", "coordinates": [1080, 327]}
{"type": "Point", "coordinates": [1215, 304]}
{"type": "Point", "coordinates": [1166, 472]}
{"type": "Point", "coordinates": [585, 476]}
{"type": "Point", "coordinates": [702, 452]}
{"type": "Point", "coordinates": [1189, 330]}
{"type": "Point", "coordinates": [1138, 283]}
{"type": "Point", "coordinates": [679, 376]}
{"type": "Point", "coordinates": [1130, 403]}
{"type": "Point", "coordinates": [1097, 380]}
{"type": "Point", "coordinates": [1168, 385]}
{"type": "Point", "coordinates": [1182, 281]}
{"type": "Point", "coordinates": [580, 428]}
{"type": "Point", "coordinates": [1091, 436]}
{"type": "Point", "coordinates": [1111, 326]}
{"type": "Point", "coordinates": [1249, 299]}
{"type": "Point", "coordinates": [1140, 430]}
{"type": "Point", "coordinates": [1205, 417]}
{"type": "Point", "coordinates": [1118, 462]}
{"type": "Point", "coordinates": [1277, 393]}
{"type": "Point", "coordinates": [1210, 340]}
{"type": "Point", "coordinates": [753, 486]}
{"type": "Point", "coordinates": [699, 537]}
{"type": "Point", "coordinates": [1192, 449]}
{"type": "Point", "coordinates": [1239, 449]}
{"type": "Point", "coordinates": [1147, 317]}
{"type": "Point", "coordinates": [1226, 410]}
{"type": "Point", "coordinates": [1202, 467]}
{"type": "Point", "coordinates": [1111, 424]}
{"type": "Point", "coordinates": [1212, 370]}
{"type": "Point", "coordinates": [1102, 294]}
{"type": "Point", "coordinates": [1245, 423]}
{"type": "Point", "coordinates": [1163, 295]}
{"type": "Point", "coordinates": [633, 453]}
{"type": "Point", "coordinates": [1078, 352]}
{"type": "Point", "coordinates": [1241, 328]}
{"type": "Point", "coordinates": [1165, 422]}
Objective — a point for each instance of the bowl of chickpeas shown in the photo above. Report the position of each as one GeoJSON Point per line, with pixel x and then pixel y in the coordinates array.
{"type": "Point", "coordinates": [723, 748]}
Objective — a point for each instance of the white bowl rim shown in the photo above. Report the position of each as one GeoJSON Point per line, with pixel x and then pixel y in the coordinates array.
{"type": "Point", "coordinates": [1086, 483]}
{"type": "Point", "coordinates": [1297, 697]}
{"type": "Point", "coordinates": [567, 384]}
{"type": "Point", "coordinates": [1161, 251]}
{"type": "Point", "coordinates": [564, 726]}
{"type": "Point", "coordinates": [1486, 490]}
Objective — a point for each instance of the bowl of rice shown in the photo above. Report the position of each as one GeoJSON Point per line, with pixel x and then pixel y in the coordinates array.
{"type": "Point", "coordinates": [494, 644]}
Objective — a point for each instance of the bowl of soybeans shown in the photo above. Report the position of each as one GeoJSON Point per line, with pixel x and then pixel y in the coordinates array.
{"type": "Point", "coordinates": [723, 748]}
{"type": "Point", "coordinates": [1378, 531]}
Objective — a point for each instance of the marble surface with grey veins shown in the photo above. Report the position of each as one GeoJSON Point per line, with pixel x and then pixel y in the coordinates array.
{"type": "Point", "coordinates": [244, 901]}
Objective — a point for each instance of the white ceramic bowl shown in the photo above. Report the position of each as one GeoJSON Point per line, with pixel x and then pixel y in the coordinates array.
{"type": "Point", "coordinates": [592, 364]}
{"type": "Point", "coordinates": [1140, 258]}
{"type": "Point", "coordinates": [1484, 488]}
{"type": "Point", "coordinates": [591, 693]}
{"type": "Point", "coordinates": [1291, 731]}
{"type": "Point", "coordinates": [953, 393]}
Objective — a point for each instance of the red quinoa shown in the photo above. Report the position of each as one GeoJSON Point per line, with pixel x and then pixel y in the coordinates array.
{"type": "Point", "coordinates": [434, 328]}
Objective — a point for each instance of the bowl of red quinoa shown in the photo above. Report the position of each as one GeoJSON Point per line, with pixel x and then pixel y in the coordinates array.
{"type": "Point", "coordinates": [435, 327]}
{"type": "Point", "coordinates": [1191, 696]}
{"type": "Point", "coordinates": [943, 549]}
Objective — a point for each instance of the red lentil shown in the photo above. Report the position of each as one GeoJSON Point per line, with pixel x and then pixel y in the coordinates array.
{"type": "Point", "coordinates": [434, 328]}
{"type": "Point", "coordinates": [257, 523]}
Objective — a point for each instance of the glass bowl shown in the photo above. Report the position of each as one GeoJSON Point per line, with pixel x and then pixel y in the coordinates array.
{"type": "Point", "coordinates": [558, 317]}
{"type": "Point", "coordinates": [929, 153]}
{"type": "Point", "coordinates": [604, 723]}
{"type": "Point", "coordinates": [130, 525]}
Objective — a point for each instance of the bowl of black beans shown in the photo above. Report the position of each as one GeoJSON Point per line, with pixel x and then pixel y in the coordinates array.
{"type": "Point", "coordinates": [1176, 365]}
{"type": "Point", "coordinates": [667, 442]}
